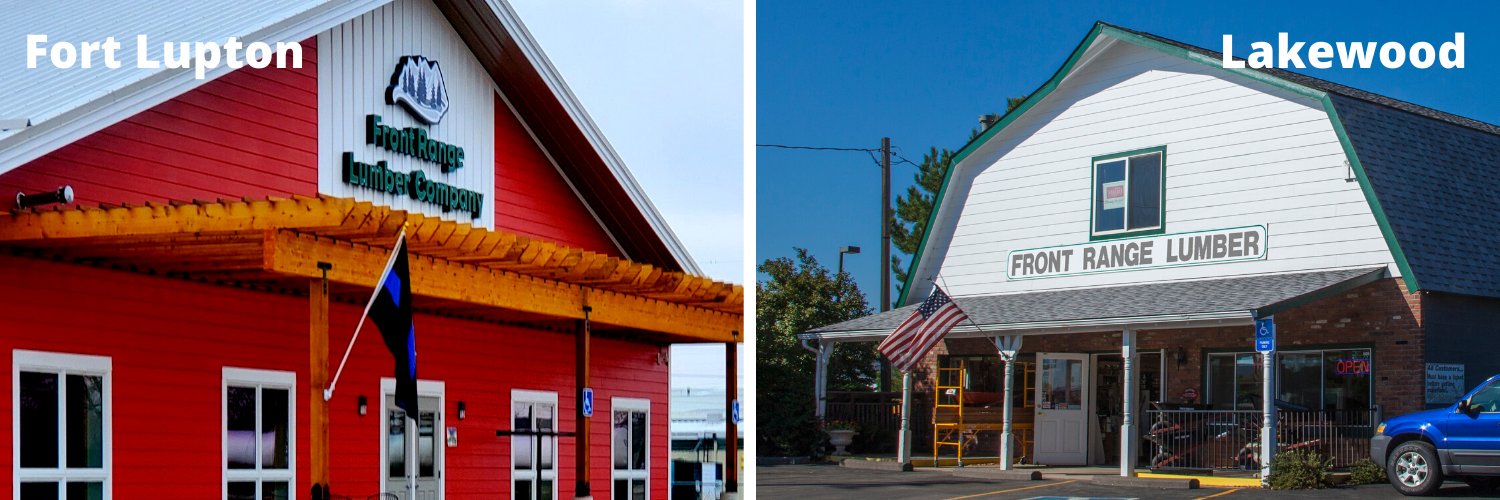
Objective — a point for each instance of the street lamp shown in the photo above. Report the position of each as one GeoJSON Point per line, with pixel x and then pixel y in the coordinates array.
{"type": "Point", "coordinates": [842, 251]}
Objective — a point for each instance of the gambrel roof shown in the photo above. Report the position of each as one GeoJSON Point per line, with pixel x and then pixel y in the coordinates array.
{"type": "Point", "coordinates": [1430, 177]}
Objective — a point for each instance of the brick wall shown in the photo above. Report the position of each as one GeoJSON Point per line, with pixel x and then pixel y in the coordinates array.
{"type": "Point", "coordinates": [1381, 316]}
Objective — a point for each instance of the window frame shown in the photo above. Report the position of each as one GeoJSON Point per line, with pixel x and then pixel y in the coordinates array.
{"type": "Point", "coordinates": [259, 379]}
{"type": "Point", "coordinates": [1126, 231]}
{"type": "Point", "coordinates": [1321, 351]}
{"type": "Point", "coordinates": [644, 474]}
{"type": "Point", "coordinates": [428, 389]}
{"type": "Point", "coordinates": [63, 364]}
{"type": "Point", "coordinates": [535, 397]}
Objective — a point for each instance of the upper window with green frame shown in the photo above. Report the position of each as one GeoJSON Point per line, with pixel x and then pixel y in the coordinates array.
{"type": "Point", "coordinates": [1128, 195]}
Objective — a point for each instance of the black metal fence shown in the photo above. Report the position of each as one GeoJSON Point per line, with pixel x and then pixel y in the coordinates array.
{"type": "Point", "coordinates": [1230, 439]}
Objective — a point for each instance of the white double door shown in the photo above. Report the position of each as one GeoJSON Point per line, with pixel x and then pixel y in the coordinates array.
{"type": "Point", "coordinates": [1062, 408]}
{"type": "Point", "coordinates": [413, 447]}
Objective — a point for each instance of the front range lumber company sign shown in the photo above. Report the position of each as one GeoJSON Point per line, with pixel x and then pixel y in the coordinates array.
{"type": "Point", "coordinates": [1128, 254]}
{"type": "Point", "coordinates": [417, 86]}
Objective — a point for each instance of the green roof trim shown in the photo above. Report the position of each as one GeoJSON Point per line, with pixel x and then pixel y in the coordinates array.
{"type": "Point", "coordinates": [1100, 28]}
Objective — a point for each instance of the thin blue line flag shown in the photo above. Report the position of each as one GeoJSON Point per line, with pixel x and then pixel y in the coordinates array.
{"type": "Point", "coordinates": [391, 310]}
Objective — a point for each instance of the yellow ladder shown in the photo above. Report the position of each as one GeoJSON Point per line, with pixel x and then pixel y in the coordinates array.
{"type": "Point", "coordinates": [950, 395]}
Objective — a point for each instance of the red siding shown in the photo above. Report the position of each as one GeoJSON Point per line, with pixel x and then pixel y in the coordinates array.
{"type": "Point", "coordinates": [249, 133]}
{"type": "Point", "coordinates": [532, 198]}
{"type": "Point", "coordinates": [169, 340]}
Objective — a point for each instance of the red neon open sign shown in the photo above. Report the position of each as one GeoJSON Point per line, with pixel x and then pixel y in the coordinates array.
{"type": "Point", "coordinates": [1357, 366]}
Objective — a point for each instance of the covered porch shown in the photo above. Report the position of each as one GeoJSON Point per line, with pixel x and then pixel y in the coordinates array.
{"type": "Point", "coordinates": [1096, 360]}
{"type": "Point", "coordinates": [330, 249]}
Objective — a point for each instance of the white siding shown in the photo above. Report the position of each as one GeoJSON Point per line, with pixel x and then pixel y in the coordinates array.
{"type": "Point", "coordinates": [355, 62]}
{"type": "Point", "coordinates": [1239, 153]}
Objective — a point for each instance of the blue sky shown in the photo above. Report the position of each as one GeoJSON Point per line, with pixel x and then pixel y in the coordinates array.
{"type": "Point", "coordinates": [664, 80]}
{"type": "Point", "coordinates": [845, 74]}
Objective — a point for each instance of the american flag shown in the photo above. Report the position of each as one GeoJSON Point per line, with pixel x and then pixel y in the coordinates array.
{"type": "Point", "coordinates": [906, 346]}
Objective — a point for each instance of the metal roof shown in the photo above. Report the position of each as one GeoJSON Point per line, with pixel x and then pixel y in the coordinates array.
{"type": "Point", "coordinates": [1173, 304]}
{"type": "Point", "coordinates": [65, 105]}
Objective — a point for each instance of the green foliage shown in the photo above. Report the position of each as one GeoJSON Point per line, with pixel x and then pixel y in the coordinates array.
{"type": "Point", "coordinates": [1299, 470]}
{"type": "Point", "coordinates": [1366, 471]}
{"type": "Point", "coordinates": [799, 296]}
{"type": "Point", "coordinates": [909, 221]}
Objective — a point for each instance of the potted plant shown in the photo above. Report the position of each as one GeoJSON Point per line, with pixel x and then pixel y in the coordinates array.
{"type": "Point", "coordinates": [840, 434]}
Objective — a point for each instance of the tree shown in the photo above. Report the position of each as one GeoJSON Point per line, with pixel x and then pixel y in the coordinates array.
{"type": "Point", "coordinates": [802, 295]}
{"type": "Point", "coordinates": [909, 219]}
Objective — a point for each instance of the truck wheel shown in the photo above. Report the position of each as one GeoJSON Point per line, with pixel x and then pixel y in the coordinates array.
{"type": "Point", "coordinates": [1414, 469]}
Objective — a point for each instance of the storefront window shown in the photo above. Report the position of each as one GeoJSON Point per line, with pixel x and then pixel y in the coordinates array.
{"type": "Point", "coordinates": [1336, 379]}
{"type": "Point", "coordinates": [984, 378]}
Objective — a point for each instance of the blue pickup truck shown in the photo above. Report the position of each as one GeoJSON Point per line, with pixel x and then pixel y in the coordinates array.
{"type": "Point", "coordinates": [1462, 441]}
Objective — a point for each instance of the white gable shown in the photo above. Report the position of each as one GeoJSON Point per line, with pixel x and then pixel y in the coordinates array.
{"type": "Point", "coordinates": [1238, 154]}
{"type": "Point", "coordinates": [356, 62]}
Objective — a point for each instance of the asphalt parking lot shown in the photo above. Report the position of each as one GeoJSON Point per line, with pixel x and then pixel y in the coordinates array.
{"type": "Point", "coordinates": [831, 481]}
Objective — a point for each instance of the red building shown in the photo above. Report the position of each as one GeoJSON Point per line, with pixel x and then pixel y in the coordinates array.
{"type": "Point", "coordinates": [173, 324]}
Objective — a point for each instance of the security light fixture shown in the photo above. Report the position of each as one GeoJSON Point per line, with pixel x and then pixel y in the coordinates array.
{"type": "Point", "coordinates": [844, 250]}
{"type": "Point", "coordinates": [364, 406]}
{"type": "Point", "coordinates": [463, 410]}
{"type": "Point", "coordinates": [63, 194]}
{"type": "Point", "coordinates": [1181, 356]}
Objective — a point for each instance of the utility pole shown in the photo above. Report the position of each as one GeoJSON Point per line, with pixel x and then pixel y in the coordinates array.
{"type": "Point", "coordinates": [885, 247]}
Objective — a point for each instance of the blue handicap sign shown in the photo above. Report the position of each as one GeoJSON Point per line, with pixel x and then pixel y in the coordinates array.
{"type": "Point", "coordinates": [1265, 335]}
{"type": "Point", "coordinates": [734, 412]}
{"type": "Point", "coordinates": [588, 402]}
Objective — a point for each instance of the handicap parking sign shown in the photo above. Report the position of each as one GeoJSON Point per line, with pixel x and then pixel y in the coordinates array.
{"type": "Point", "coordinates": [588, 402]}
{"type": "Point", "coordinates": [734, 412]}
{"type": "Point", "coordinates": [1265, 335]}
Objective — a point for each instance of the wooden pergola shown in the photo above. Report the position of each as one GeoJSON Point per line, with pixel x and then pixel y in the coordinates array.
{"type": "Point", "coordinates": [336, 248]}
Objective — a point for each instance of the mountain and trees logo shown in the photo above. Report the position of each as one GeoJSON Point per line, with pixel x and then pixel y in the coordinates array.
{"type": "Point", "coordinates": [417, 85]}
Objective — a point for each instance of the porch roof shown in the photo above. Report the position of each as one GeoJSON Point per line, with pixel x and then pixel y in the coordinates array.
{"type": "Point", "coordinates": [277, 244]}
{"type": "Point", "coordinates": [1164, 305]}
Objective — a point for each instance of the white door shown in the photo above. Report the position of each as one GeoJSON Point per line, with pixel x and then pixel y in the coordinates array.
{"type": "Point", "coordinates": [422, 463]}
{"type": "Point", "coordinates": [1062, 409]}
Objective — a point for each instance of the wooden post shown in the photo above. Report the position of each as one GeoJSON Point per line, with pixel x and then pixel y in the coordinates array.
{"type": "Point", "coordinates": [581, 452]}
{"type": "Point", "coordinates": [317, 369]}
{"type": "Point", "coordinates": [731, 434]}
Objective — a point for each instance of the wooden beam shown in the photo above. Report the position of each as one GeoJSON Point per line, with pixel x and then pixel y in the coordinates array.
{"type": "Point", "coordinates": [295, 254]}
{"type": "Point", "coordinates": [255, 216]}
{"type": "Point", "coordinates": [581, 487]}
{"type": "Point", "coordinates": [317, 360]}
{"type": "Point", "coordinates": [731, 433]}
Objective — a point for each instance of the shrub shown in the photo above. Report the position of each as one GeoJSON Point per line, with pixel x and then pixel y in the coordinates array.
{"type": "Point", "coordinates": [1299, 470]}
{"type": "Point", "coordinates": [1366, 471]}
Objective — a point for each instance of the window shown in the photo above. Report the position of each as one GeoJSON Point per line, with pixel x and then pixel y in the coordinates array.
{"type": "Point", "coordinates": [984, 378]}
{"type": "Point", "coordinates": [533, 469]}
{"type": "Point", "coordinates": [629, 445]}
{"type": "Point", "coordinates": [1486, 400]}
{"type": "Point", "coordinates": [1333, 379]}
{"type": "Point", "coordinates": [62, 423]}
{"type": "Point", "coordinates": [259, 442]}
{"type": "Point", "coordinates": [1127, 193]}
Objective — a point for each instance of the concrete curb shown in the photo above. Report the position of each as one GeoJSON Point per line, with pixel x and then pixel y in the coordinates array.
{"type": "Point", "coordinates": [859, 463]}
{"type": "Point", "coordinates": [782, 460]}
{"type": "Point", "coordinates": [1140, 482]}
{"type": "Point", "coordinates": [997, 474]}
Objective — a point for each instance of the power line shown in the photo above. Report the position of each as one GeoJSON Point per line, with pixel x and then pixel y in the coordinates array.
{"type": "Point", "coordinates": [869, 151]}
{"type": "Point", "coordinates": [816, 148]}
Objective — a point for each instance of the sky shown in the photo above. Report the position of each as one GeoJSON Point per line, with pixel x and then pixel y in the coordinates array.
{"type": "Point", "coordinates": [845, 74]}
{"type": "Point", "coordinates": [664, 81]}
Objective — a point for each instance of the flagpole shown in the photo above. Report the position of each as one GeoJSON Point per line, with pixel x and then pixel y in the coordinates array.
{"type": "Point", "coordinates": [328, 393]}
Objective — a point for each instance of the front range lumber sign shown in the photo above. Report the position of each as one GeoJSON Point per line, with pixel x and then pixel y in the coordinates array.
{"type": "Point", "coordinates": [1128, 254]}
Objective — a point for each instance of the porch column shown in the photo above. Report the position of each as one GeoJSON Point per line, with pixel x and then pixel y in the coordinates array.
{"type": "Point", "coordinates": [820, 376]}
{"type": "Point", "coordinates": [903, 445]}
{"type": "Point", "coordinates": [1127, 421]}
{"type": "Point", "coordinates": [317, 361]}
{"type": "Point", "coordinates": [1268, 414]}
{"type": "Point", "coordinates": [1008, 346]}
{"type": "Point", "coordinates": [731, 434]}
{"type": "Point", "coordinates": [581, 440]}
